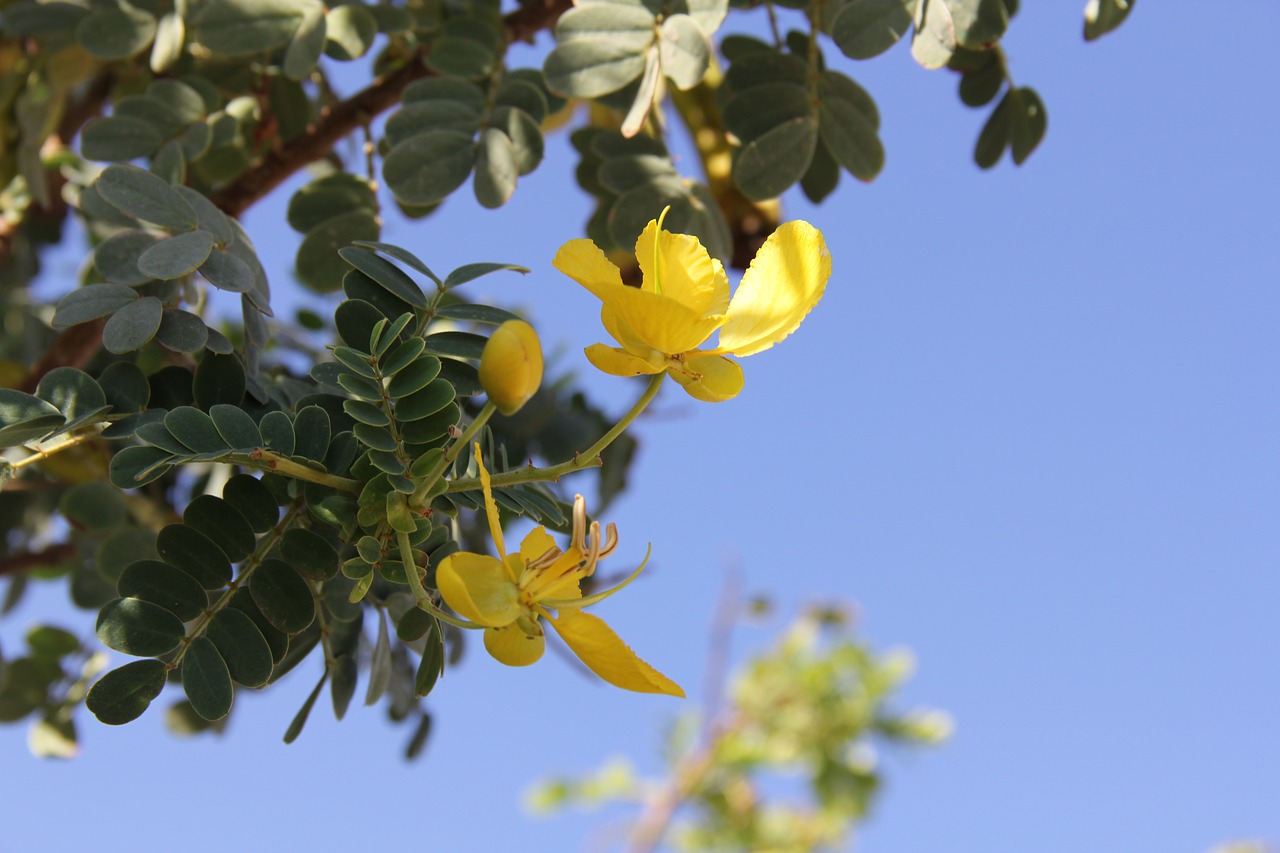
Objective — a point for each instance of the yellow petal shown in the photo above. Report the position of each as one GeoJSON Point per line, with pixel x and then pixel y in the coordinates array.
{"type": "Point", "coordinates": [478, 588]}
{"type": "Point", "coordinates": [536, 543]}
{"type": "Point", "coordinates": [660, 321]}
{"type": "Point", "coordinates": [511, 366]}
{"type": "Point", "coordinates": [607, 656]}
{"type": "Point", "coordinates": [512, 646]}
{"type": "Point", "coordinates": [688, 274]}
{"type": "Point", "coordinates": [785, 280]}
{"type": "Point", "coordinates": [617, 362]}
{"type": "Point", "coordinates": [711, 378]}
{"type": "Point", "coordinates": [490, 508]}
{"type": "Point", "coordinates": [583, 262]}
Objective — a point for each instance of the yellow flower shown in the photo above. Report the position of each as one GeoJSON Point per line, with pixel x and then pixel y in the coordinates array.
{"type": "Point", "coordinates": [511, 594]}
{"type": "Point", "coordinates": [684, 299]}
{"type": "Point", "coordinates": [511, 366]}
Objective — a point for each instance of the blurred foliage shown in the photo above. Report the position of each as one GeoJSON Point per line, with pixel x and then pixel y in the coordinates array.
{"type": "Point", "coordinates": [234, 492]}
{"type": "Point", "coordinates": [789, 763]}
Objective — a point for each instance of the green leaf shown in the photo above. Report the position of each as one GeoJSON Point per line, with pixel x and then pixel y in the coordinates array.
{"type": "Point", "coordinates": [1029, 122]}
{"type": "Point", "coordinates": [166, 50]}
{"type": "Point", "coordinates": [283, 596]}
{"type": "Point", "coordinates": [313, 431]}
{"type": "Point", "coordinates": [328, 197]}
{"type": "Point", "coordinates": [119, 33]}
{"type": "Point", "coordinates": [122, 695]}
{"type": "Point", "coordinates": [317, 265]}
{"type": "Point", "coordinates": [73, 392]}
{"type": "Point", "coordinates": [238, 430]}
{"type": "Point", "coordinates": [996, 133]}
{"type": "Point", "coordinates": [432, 664]}
{"type": "Point", "coordinates": [94, 506]}
{"type": "Point", "coordinates": [351, 31]}
{"type": "Point", "coordinates": [300, 719]}
{"type": "Point", "coordinates": [1103, 16]}
{"type": "Point", "coordinates": [206, 680]}
{"type": "Point", "coordinates": [25, 417]}
{"type": "Point", "coordinates": [307, 45]}
{"type": "Point", "coordinates": [177, 256]}
{"type": "Point", "coordinates": [393, 279]}
{"type": "Point", "coordinates": [92, 302]}
{"type": "Point", "coordinates": [935, 38]}
{"type": "Point", "coordinates": [133, 325]}
{"type": "Point", "coordinates": [277, 433]}
{"type": "Point", "coordinates": [454, 89]}
{"type": "Point", "coordinates": [125, 386]}
{"type": "Point", "coordinates": [117, 257]}
{"type": "Point", "coordinates": [50, 642]}
{"type": "Point", "coordinates": [496, 169]}
{"type": "Point", "coordinates": [426, 402]}
{"type": "Point", "coordinates": [138, 627]}
{"type": "Point", "coordinates": [525, 136]}
{"type": "Point", "coordinates": [164, 586]}
{"type": "Point", "coordinates": [278, 642]}
{"type": "Point", "coordinates": [379, 663]}
{"type": "Point", "coordinates": [182, 331]}
{"type": "Point", "coordinates": [685, 51]}
{"type": "Point", "coordinates": [470, 272]}
{"type": "Point", "coordinates": [248, 494]}
{"type": "Point", "coordinates": [404, 256]}
{"type": "Point", "coordinates": [218, 379]}
{"type": "Point", "coordinates": [456, 344]}
{"type": "Point", "coordinates": [117, 139]}
{"type": "Point", "coordinates": [208, 216]}
{"type": "Point", "coordinates": [136, 466]}
{"type": "Point", "coordinates": [194, 429]}
{"type": "Point", "coordinates": [978, 23]}
{"type": "Point", "coordinates": [222, 523]}
{"type": "Point", "coordinates": [415, 377]}
{"type": "Point", "coordinates": [467, 313]}
{"type": "Point", "coordinates": [589, 68]}
{"type": "Point", "coordinates": [426, 168]}
{"type": "Point", "coordinates": [629, 26]}
{"type": "Point", "coordinates": [755, 112]}
{"type": "Point", "coordinates": [310, 554]}
{"type": "Point", "coordinates": [144, 196]}
{"type": "Point", "coordinates": [980, 87]}
{"type": "Point", "coordinates": [194, 553]}
{"type": "Point", "coordinates": [342, 686]}
{"type": "Point", "coordinates": [225, 271]}
{"type": "Point", "coordinates": [773, 162]}
{"type": "Point", "coordinates": [851, 138]}
{"type": "Point", "coordinates": [242, 646]}
{"type": "Point", "coordinates": [246, 27]}
{"type": "Point", "coordinates": [863, 29]}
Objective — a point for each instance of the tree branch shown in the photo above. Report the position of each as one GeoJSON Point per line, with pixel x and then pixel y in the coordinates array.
{"type": "Point", "coordinates": [51, 556]}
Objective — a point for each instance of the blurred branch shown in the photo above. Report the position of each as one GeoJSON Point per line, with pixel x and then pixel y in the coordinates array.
{"type": "Point", "coordinates": [25, 560]}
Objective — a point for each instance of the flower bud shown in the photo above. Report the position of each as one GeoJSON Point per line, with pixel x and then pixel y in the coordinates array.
{"type": "Point", "coordinates": [511, 366]}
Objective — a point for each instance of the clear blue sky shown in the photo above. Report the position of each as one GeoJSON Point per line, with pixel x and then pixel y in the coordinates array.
{"type": "Point", "coordinates": [1034, 439]}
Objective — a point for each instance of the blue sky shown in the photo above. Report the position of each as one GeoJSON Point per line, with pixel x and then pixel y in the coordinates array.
{"type": "Point", "coordinates": [1030, 431]}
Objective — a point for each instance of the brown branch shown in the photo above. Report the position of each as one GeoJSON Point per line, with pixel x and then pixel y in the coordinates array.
{"type": "Point", "coordinates": [340, 120]}
{"type": "Point", "coordinates": [17, 563]}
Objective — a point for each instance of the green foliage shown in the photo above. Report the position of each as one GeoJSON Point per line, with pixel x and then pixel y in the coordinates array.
{"type": "Point", "coordinates": [816, 705]}
{"type": "Point", "coordinates": [228, 514]}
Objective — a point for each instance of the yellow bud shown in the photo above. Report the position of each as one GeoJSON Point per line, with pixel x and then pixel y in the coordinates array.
{"type": "Point", "coordinates": [511, 366]}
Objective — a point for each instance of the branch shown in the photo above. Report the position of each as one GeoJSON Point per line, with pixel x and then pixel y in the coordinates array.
{"type": "Point", "coordinates": [340, 120]}
{"type": "Point", "coordinates": [53, 555]}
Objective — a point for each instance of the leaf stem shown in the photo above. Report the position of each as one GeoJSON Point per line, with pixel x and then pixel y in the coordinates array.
{"type": "Point", "coordinates": [424, 486]}
{"type": "Point", "coordinates": [271, 461]}
{"type": "Point", "coordinates": [590, 458]}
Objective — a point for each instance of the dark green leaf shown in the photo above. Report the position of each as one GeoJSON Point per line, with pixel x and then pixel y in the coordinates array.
{"type": "Point", "coordinates": [115, 33]}
{"type": "Point", "coordinates": [300, 719]}
{"type": "Point", "coordinates": [426, 168]}
{"type": "Point", "coordinates": [310, 554]}
{"type": "Point", "coordinates": [253, 500]}
{"type": "Point", "coordinates": [228, 272]}
{"type": "Point", "coordinates": [94, 506]}
{"type": "Point", "coordinates": [428, 401]}
{"type": "Point", "coordinates": [206, 680]}
{"type": "Point", "coordinates": [496, 169]}
{"type": "Point", "coordinates": [996, 133]}
{"type": "Point", "coordinates": [242, 646]}
{"type": "Point", "coordinates": [223, 523]}
{"type": "Point", "coordinates": [343, 683]}
{"type": "Point", "coordinates": [379, 663]}
{"type": "Point", "coordinates": [236, 428]}
{"type": "Point", "coordinates": [133, 325]}
{"type": "Point", "coordinates": [283, 596]}
{"type": "Point", "coordinates": [277, 433]}
{"type": "Point", "coordinates": [177, 256]}
{"type": "Point", "coordinates": [144, 196]}
{"type": "Point", "coordinates": [92, 302]}
{"type": "Point", "coordinates": [123, 694]}
{"type": "Point", "coordinates": [194, 429]}
{"type": "Point", "coordinates": [136, 466]}
{"type": "Point", "coordinates": [165, 586]}
{"type": "Point", "coordinates": [138, 627]}
{"type": "Point", "coordinates": [387, 274]}
{"type": "Point", "coordinates": [317, 264]}
{"type": "Point", "coordinates": [470, 272]}
{"type": "Point", "coordinates": [1103, 16]}
{"type": "Point", "coordinates": [218, 379]}
{"type": "Point", "coordinates": [312, 429]}
{"type": "Point", "coordinates": [1029, 121]}
{"type": "Point", "coordinates": [773, 162]}
{"type": "Point", "coordinates": [246, 27]}
{"type": "Point", "coordinates": [194, 553]}
{"type": "Point", "coordinates": [118, 139]}
{"type": "Point", "coordinates": [278, 642]}
{"type": "Point", "coordinates": [125, 386]}
{"type": "Point", "coordinates": [182, 331]}
{"type": "Point", "coordinates": [117, 259]}
{"type": "Point", "coordinates": [866, 28]}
